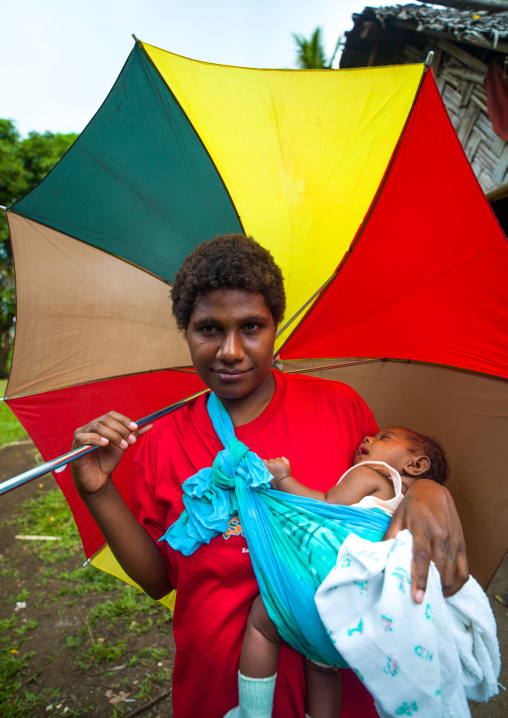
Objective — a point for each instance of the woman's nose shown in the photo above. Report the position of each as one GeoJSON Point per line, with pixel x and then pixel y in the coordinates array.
{"type": "Point", "coordinates": [231, 348]}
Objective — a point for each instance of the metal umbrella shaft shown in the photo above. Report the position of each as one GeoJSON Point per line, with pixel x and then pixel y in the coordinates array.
{"type": "Point", "coordinates": [62, 461]}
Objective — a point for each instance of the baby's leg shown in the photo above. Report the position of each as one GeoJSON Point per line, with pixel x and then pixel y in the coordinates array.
{"type": "Point", "coordinates": [258, 665]}
{"type": "Point", "coordinates": [324, 690]}
{"type": "Point", "coordinates": [261, 644]}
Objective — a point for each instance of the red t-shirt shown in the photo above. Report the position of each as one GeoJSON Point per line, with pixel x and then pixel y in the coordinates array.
{"type": "Point", "coordinates": [317, 425]}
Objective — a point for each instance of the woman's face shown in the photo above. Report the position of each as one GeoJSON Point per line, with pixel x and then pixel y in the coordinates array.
{"type": "Point", "coordinates": [231, 336]}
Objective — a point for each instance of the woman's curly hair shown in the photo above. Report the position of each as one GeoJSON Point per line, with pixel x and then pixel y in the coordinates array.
{"type": "Point", "coordinates": [438, 470]}
{"type": "Point", "coordinates": [228, 261]}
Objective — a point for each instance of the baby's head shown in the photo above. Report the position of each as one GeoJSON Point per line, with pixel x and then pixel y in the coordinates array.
{"type": "Point", "coordinates": [413, 455]}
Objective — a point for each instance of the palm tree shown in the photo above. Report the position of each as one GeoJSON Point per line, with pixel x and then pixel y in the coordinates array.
{"type": "Point", "coordinates": [310, 53]}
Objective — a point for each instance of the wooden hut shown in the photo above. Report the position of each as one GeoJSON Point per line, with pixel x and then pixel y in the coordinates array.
{"type": "Point", "coordinates": [470, 42]}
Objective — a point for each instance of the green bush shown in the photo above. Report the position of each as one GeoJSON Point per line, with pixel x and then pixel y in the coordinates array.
{"type": "Point", "coordinates": [10, 428]}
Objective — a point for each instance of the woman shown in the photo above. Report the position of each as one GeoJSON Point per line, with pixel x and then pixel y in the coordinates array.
{"type": "Point", "coordinates": [228, 299]}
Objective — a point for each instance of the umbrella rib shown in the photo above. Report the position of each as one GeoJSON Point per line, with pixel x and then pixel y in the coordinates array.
{"type": "Point", "coordinates": [186, 369]}
{"type": "Point", "coordinates": [394, 360]}
{"type": "Point", "coordinates": [304, 306]}
{"type": "Point", "coordinates": [141, 48]}
{"type": "Point", "coordinates": [374, 202]}
{"type": "Point", "coordinates": [67, 233]}
{"type": "Point", "coordinates": [339, 365]}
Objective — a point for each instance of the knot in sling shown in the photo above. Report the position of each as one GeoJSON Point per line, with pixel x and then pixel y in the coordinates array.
{"type": "Point", "coordinates": [293, 541]}
{"type": "Point", "coordinates": [208, 496]}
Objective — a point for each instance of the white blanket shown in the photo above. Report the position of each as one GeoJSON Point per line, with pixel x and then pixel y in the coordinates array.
{"type": "Point", "coordinates": [416, 660]}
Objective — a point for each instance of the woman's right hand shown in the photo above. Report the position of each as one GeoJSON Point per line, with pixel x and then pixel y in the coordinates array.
{"type": "Point", "coordinates": [114, 433]}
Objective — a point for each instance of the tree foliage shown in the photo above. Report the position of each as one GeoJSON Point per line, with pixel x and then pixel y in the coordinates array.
{"type": "Point", "coordinates": [23, 164]}
{"type": "Point", "coordinates": [310, 54]}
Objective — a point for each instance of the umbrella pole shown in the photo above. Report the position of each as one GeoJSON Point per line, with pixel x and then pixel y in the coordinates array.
{"type": "Point", "coordinates": [61, 462]}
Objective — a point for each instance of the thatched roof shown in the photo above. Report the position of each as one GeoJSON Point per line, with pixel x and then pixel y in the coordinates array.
{"type": "Point", "coordinates": [475, 27]}
{"type": "Point", "coordinates": [466, 43]}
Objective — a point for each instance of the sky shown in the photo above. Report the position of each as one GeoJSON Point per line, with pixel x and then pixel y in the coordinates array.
{"type": "Point", "coordinates": [59, 59]}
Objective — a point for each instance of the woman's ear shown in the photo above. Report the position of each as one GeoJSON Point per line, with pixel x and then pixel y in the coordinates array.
{"type": "Point", "coordinates": [417, 466]}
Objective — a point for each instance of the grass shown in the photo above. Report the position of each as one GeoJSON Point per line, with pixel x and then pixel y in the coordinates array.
{"type": "Point", "coordinates": [110, 631]}
{"type": "Point", "coordinates": [48, 515]}
{"type": "Point", "coordinates": [10, 428]}
{"type": "Point", "coordinates": [14, 670]}
{"type": "Point", "coordinates": [14, 702]}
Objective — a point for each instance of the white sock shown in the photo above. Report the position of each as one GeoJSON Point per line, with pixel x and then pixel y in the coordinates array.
{"type": "Point", "coordinates": [255, 697]}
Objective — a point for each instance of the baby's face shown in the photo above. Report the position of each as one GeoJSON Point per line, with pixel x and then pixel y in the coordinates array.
{"type": "Point", "coordinates": [392, 445]}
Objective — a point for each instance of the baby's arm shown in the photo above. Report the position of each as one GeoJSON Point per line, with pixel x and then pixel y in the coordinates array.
{"type": "Point", "coordinates": [362, 481]}
{"type": "Point", "coordinates": [283, 481]}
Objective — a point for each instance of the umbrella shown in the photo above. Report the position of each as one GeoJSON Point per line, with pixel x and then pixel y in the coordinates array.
{"type": "Point", "coordinates": [395, 266]}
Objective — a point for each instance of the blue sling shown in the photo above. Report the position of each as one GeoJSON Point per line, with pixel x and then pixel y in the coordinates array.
{"type": "Point", "coordinates": [293, 541]}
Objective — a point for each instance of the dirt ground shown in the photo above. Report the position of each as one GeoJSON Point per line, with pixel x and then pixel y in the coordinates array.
{"type": "Point", "coordinates": [54, 665]}
{"type": "Point", "coordinates": [57, 642]}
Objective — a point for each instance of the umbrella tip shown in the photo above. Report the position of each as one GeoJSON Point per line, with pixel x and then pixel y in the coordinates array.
{"type": "Point", "coordinates": [136, 39]}
{"type": "Point", "coordinates": [428, 61]}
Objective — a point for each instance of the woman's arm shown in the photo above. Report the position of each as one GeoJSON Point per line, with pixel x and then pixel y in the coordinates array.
{"type": "Point", "coordinates": [131, 544]}
{"type": "Point", "coordinates": [429, 513]}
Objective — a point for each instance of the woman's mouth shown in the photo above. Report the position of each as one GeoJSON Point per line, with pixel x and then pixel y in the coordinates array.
{"type": "Point", "coordinates": [230, 376]}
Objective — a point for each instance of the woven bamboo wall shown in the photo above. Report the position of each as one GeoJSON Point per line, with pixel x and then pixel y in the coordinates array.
{"type": "Point", "coordinates": [460, 78]}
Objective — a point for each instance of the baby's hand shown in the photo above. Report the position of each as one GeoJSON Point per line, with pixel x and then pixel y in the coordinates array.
{"type": "Point", "coordinates": [279, 469]}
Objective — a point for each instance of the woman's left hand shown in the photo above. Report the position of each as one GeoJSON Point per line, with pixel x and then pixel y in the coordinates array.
{"type": "Point", "coordinates": [429, 513]}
